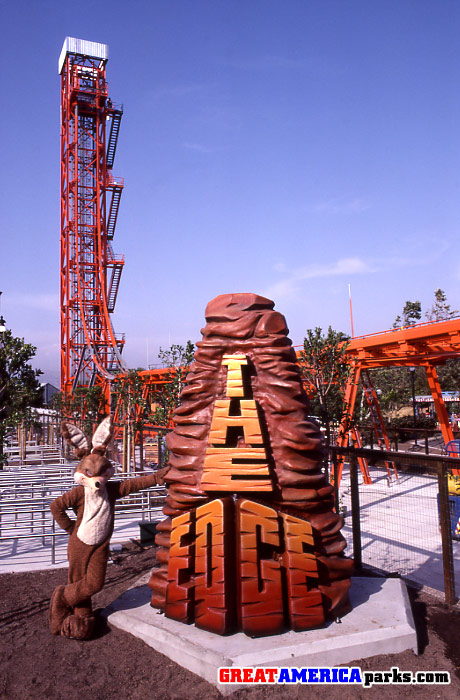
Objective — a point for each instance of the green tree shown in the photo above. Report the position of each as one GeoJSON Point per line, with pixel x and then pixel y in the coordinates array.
{"type": "Point", "coordinates": [325, 369]}
{"type": "Point", "coordinates": [394, 388]}
{"type": "Point", "coordinates": [177, 359]}
{"type": "Point", "coordinates": [85, 406]}
{"type": "Point", "coordinates": [411, 314]}
{"type": "Point", "coordinates": [449, 373]}
{"type": "Point", "coordinates": [130, 397]}
{"type": "Point", "coordinates": [440, 309]}
{"type": "Point", "coordinates": [19, 386]}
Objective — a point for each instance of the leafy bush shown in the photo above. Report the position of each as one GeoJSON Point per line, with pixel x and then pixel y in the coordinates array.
{"type": "Point", "coordinates": [403, 426]}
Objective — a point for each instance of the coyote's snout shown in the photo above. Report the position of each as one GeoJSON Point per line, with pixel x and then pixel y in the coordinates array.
{"type": "Point", "coordinates": [93, 472]}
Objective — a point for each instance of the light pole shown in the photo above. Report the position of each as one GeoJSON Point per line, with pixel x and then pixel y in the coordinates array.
{"type": "Point", "coordinates": [412, 378]}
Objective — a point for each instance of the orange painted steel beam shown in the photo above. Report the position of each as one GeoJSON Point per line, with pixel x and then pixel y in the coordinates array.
{"type": "Point", "coordinates": [441, 411]}
{"type": "Point", "coordinates": [406, 347]}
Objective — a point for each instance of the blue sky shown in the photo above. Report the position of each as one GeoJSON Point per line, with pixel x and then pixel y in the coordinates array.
{"type": "Point", "coordinates": [285, 147]}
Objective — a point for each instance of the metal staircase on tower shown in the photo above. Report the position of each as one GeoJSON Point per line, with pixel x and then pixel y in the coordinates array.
{"type": "Point", "coordinates": [115, 114]}
{"type": "Point", "coordinates": [116, 264]}
{"type": "Point", "coordinates": [115, 186]}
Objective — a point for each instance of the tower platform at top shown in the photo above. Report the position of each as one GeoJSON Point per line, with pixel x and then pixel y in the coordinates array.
{"type": "Point", "coordinates": [82, 47]}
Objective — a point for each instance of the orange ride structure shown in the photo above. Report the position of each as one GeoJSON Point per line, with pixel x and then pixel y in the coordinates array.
{"type": "Point", "coordinates": [424, 345]}
{"type": "Point", "coordinates": [90, 198]}
{"type": "Point", "coordinates": [91, 352]}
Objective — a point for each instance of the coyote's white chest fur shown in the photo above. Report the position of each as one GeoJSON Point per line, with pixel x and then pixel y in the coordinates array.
{"type": "Point", "coordinates": [97, 517]}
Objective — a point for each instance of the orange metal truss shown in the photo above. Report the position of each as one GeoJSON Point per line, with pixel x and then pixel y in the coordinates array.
{"type": "Point", "coordinates": [90, 271]}
{"type": "Point", "coordinates": [424, 345]}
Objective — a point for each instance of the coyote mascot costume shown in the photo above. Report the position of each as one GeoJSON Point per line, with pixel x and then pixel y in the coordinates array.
{"type": "Point", "coordinates": [93, 502]}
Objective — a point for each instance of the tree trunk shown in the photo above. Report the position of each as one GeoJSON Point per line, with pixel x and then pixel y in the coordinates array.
{"type": "Point", "coordinates": [23, 443]}
{"type": "Point", "coordinates": [133, 449]}
{"type": "Point", "coordinates": [141, 449]}
{"type": "Point", "coordinates": [124, 454]}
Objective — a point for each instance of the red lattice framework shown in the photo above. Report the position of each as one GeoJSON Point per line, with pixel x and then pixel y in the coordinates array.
{"type": "Point", "coordinates": [90, 271]}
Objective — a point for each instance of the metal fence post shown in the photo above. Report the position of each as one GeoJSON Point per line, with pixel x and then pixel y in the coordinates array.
{"type": "Point", "coordinates": [53, 543]}
{"type": "Point", "coordinates": [336, 482]}
{"type": "Point", "coordinates": [446, 536]}
{"type": "Point", "coordinates": [355, 517]}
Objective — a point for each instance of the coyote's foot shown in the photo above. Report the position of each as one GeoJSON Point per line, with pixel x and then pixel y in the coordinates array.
{"type": "Point", "coordinates": [77, 627]}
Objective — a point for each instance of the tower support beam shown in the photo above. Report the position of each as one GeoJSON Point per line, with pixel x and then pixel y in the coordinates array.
{"type": "Point", "coordinates": [90, 351]}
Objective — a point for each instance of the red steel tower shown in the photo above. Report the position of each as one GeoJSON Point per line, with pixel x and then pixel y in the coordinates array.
{"type": "Point", "coordinates": [90, 197]}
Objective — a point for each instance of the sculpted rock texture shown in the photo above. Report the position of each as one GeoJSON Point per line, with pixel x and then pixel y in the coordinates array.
{"type": "Point", "coordinates": [277, 470]}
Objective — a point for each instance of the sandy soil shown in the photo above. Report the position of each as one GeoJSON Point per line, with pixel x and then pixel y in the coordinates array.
{"type": "Point", "coordinates": [116, 665]}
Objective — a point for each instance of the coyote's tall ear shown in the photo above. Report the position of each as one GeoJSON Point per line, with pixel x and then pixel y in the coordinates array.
{"type": "Point", "coordinates": [102, 436]}
{"type": "Point", "coordinates": [76, 438]}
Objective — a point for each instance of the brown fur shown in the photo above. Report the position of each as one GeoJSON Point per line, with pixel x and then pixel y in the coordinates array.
{"type": "Point", "coordinates": [70, 607]}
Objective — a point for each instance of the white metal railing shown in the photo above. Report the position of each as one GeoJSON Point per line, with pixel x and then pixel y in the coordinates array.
{"type": "Point", "coordinates": [33, 454]}
{"type": "Point", "coordinates": [26, 494]}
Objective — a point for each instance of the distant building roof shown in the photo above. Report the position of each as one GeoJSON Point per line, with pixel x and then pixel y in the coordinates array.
{"type": "Point", "coordinates": [48, 392]}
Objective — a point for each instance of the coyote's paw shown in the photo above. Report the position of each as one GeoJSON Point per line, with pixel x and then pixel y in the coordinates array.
{"type": "Point", "coordinates": [77, 627]}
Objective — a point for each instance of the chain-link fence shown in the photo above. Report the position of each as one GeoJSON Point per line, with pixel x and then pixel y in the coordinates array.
{"type": "Point", "coordinates": [405, 521]}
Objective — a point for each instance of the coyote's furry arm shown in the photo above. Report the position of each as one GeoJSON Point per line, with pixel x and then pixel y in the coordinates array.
{"type": "Point", "coordinates": [124, 488]}
{"type": "Point", "coordinates": [70, 499]}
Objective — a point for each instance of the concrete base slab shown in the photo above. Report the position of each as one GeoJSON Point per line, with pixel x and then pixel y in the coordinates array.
{"type": "Point", "coordinates": [380, 623]}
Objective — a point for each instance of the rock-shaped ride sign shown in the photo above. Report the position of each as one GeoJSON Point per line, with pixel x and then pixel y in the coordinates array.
{"type": "Point", "coordinates": [251, 541]}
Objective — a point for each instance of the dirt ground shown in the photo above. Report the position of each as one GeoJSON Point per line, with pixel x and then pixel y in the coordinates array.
{"type": "Point", "coordinates": [116, 665]}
